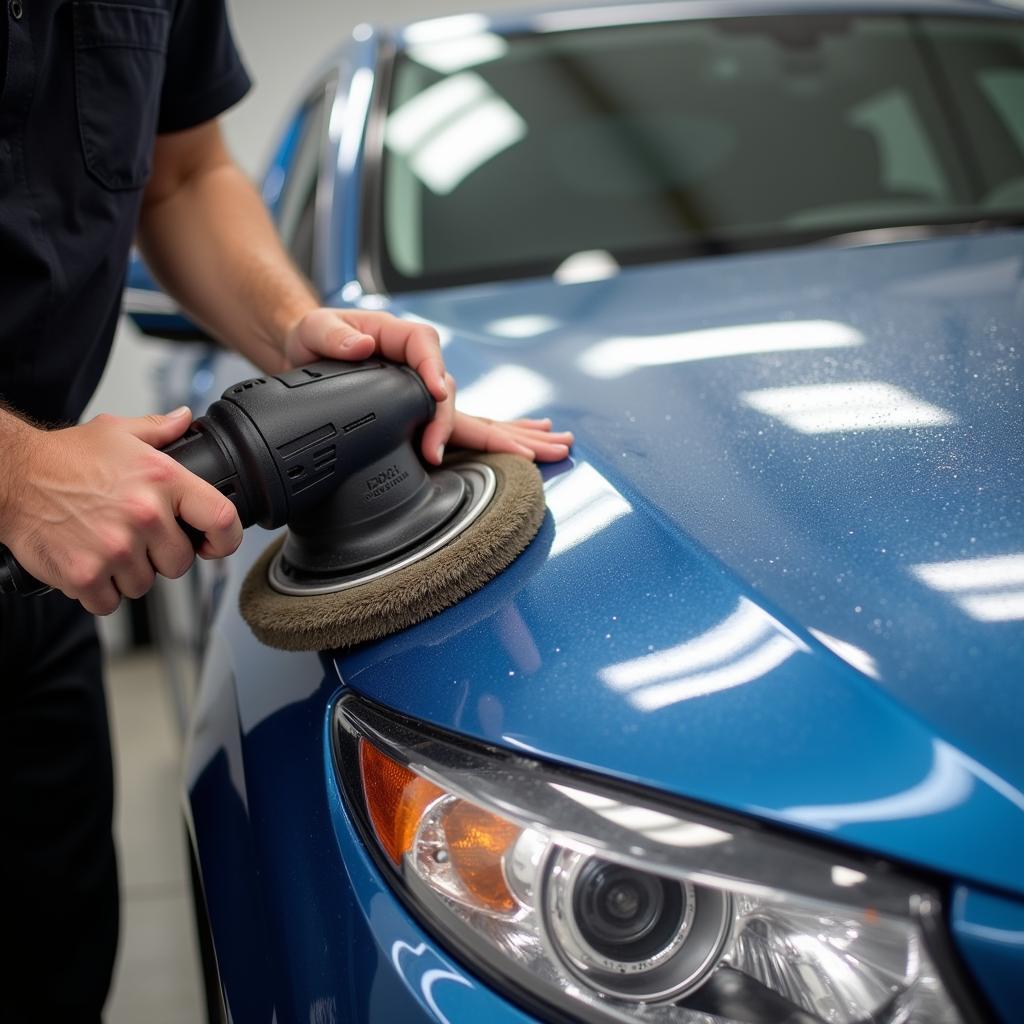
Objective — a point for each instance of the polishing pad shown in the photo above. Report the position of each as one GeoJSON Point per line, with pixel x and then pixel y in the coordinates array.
{"type": "Point", "coordinates": [379, 607]}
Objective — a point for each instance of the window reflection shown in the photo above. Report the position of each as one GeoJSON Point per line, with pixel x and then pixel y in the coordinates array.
{"type": "Point", "coordinates": [452, 128]}
{"type": "Point", "coordinates": [987, 589]}
{"type": "Point", "coordinates": [855, 657]}
{"type": "Point", "coordinates": [586, 265]}
{"type": "Point", "coordinates": [582, 503]}
{"type": "Point", "coordinates": [662, 828]}
{"type": "Point", "coordinates": [526, 326]}
{"type": "Point", "coordinates": [619, 356]}
{"type": "Point", "coordinates": [506, 393]}
{"type": "Point", "coordinates": [451, 55]}
{"type": "Point", "coordinates": [740, 649]}
{"type": "Point", "coordinates": [429, 977]}
{"type": "Point", "coordinates": [859, 405]}
{"type": "Point", "coordinates": [947, 784]}
{"type": "Point", "coordinates": [441, 29]}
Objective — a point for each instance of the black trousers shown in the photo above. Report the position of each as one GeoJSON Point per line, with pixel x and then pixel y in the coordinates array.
{"type": "Point", "coordinates": [59, 872]}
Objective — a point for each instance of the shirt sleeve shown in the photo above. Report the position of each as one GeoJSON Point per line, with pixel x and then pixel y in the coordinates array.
{"type": "Point", "coordinates": [204, 74]}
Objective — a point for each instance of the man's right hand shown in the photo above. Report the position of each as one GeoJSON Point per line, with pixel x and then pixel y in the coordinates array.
{"type": "Point", "coordinates": [91, 509]}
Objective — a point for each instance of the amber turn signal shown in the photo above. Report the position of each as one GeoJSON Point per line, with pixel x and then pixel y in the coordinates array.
{"type": "Point", "coordinates": [475, 841]}
{"type": "Point", "coordinates": [396, 798]}
{"type": "Point", "coordinates": [477, 844]}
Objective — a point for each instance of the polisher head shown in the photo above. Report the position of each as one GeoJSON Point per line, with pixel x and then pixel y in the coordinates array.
{"type": "Point", "coordinates": [324, 614]}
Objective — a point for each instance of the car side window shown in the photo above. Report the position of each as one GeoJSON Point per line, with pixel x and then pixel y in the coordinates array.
{"type": "Point", "coordinates": [297, 211]}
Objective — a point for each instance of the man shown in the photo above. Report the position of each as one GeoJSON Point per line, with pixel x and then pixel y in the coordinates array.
{"type": "Point", "coordinates": [108, 129]}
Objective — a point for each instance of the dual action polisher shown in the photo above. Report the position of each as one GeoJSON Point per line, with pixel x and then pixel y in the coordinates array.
{"type": "Point", "coordinates": [376, 540]}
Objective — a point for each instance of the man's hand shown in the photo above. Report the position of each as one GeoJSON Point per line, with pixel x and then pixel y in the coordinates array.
{"type": "Point", "coordinates": [93, 510]}
{"type": "Point", "coordinates": [357, 334]}
{"type": "Point", "coordinates": [533, 439]}
{"type": "Point", "coordinates": [207, 237]}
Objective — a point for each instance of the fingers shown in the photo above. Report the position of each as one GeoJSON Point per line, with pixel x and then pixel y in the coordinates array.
{"type": "Point", "coordinates": [405, 341]}
{"type": "Point", "coordinates": [134, 577]}
{"type": "Point", "coordinates": [544, 450]}
{"type": "Point", "coordinates": [103, 521]}
{"type": "Point", "coordinates": [532, 439]}
{"type": "Point", "coordinates": [543, 435]}
{"type": "Point", "coordinates": [358, 334]}
{"type": "Point", "coordinates": [440, 428]}
{"type": "Point", "coordinates": [486, 436]}
{"type": "Point", "coordinates": [103, 599]}
{"type": "Point", "coordinates": [85, 577]}
{"type": "Point", "coordinates": [201, 505]}
{"type": "Point", "coordinates": [172, 556]}
{"type": "Point", "coordinates": [327, 334]}
{"type": "Point", "coordinates": [127, 558]}
{"type": "Point", "coordinates": [160, 430]}
{"type": "Point", "coordinates": [168, 549]}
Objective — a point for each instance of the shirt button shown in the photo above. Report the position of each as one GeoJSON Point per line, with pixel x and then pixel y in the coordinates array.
{"type": "Point", "coordinates": [17, 10]}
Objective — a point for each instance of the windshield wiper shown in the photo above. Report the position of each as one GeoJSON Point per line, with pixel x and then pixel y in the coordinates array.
{"type": "Point", "coordinates": [914, 232]}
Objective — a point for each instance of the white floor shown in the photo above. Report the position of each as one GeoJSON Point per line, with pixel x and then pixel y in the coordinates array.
{"type": "Point", "coordinates": [157, 975]}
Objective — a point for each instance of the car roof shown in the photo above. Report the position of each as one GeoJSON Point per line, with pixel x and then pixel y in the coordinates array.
{"type": "Point", "coordinates": [616, 12]}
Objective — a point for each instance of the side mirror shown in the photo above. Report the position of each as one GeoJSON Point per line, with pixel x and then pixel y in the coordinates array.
{"type": "Point", "coordinates": [152, 311]}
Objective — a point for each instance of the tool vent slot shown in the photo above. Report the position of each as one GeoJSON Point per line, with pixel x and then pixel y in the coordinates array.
{"type": "Point", "coordinates": [323, 456]}
{"type": "Point", "coordinates": [300, 444]}
{"type": "Point", "coordinates": [361, 422]}
{"type": "Point", "coordinates": [308, 459]}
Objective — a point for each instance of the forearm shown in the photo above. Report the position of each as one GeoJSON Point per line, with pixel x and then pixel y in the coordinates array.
{"type": "Point", "coordinates": [209, 240]}
{"type": "Point", "coordinates": [15, 439]}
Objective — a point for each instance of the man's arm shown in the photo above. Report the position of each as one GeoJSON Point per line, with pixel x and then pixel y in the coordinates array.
{"type": "Point", "coordinates": [91, 509]}
{"type": "Point", "coordinates": [207, 237]}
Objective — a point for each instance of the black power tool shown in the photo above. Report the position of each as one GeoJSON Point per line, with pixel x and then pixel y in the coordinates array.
{"type": "Point", "coordinates": [329, 449]}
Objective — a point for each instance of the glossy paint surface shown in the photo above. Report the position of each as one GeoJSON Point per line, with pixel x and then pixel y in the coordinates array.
{"type": "Point", "coordinates": [733, 590]}
{"type": "Point", "coordinates": [989, 930]}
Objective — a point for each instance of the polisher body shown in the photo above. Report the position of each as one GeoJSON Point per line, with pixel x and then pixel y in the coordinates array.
{"type": "Point", "coordinates": [280, 446]}
{"type": "Point", "coordinates": [332, 436]}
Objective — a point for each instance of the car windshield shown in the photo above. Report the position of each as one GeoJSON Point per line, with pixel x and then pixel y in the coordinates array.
{"type": "Point", "coordinates": [515, 156]}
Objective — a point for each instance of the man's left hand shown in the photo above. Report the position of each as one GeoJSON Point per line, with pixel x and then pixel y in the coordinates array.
{"type": "Point", "coordinates": [358, 334]}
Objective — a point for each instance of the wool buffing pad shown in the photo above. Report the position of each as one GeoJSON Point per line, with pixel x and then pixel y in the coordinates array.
{"type": "Point", "coordinates": [369, 611]}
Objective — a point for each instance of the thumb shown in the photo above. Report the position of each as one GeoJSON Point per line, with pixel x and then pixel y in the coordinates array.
{"type": "Point", "coordinates": [160, 430]}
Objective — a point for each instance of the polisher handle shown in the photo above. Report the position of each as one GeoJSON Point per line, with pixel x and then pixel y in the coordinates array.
{"type": "Point", "coordinates": [14, 579]}
{"type": "Point", "coordinates": [197, 450]}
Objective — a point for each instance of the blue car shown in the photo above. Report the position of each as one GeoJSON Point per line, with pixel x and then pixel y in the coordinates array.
{"type": "Point", "coordinates": [739, 737]}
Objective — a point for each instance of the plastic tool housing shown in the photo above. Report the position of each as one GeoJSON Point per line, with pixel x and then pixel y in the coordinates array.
{"type": "Point", "coordinates": [327, 448]}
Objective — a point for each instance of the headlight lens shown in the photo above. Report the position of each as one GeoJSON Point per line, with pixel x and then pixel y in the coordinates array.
{"type": "Point", "coordinates": [614, 908]}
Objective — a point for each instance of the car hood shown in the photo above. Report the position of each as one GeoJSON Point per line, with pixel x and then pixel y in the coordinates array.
{"type": "Point", "coordinates": [784, 569]}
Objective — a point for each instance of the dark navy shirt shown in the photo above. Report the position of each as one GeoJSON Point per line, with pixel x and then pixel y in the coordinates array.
{"type": "Point", "coordinates": [86, 87]}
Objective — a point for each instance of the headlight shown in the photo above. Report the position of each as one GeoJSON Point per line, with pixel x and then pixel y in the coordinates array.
{"type": "Point", "coordinates": [613, 907]}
